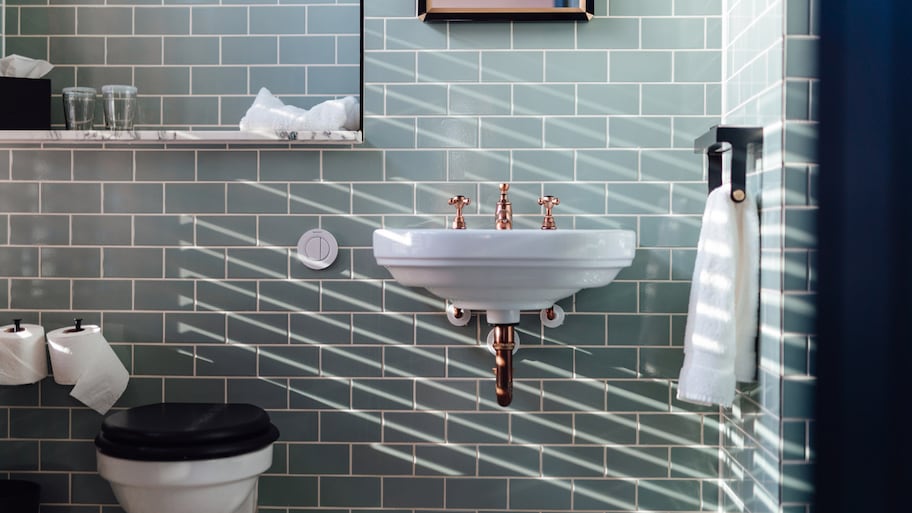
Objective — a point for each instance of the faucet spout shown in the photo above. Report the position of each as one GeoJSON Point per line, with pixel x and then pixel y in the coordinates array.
{"type": "Point", "coordinates": [503, 214]}
{"type": "Point", "coordinates": [504, 342]}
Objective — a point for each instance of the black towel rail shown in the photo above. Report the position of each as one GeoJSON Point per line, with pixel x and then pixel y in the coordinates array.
{"type": "Point", "coordinates": [746, 143]}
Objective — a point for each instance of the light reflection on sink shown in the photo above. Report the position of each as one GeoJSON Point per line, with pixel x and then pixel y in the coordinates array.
{"type": "Point", "coordinates": [504, 271]}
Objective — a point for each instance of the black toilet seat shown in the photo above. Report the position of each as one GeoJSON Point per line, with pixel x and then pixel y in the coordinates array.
{"type": "Point", "coordinates": [185, 431]}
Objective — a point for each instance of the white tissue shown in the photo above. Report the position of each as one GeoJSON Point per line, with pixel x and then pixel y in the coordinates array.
{"type": "Point", "coordinates": [269, 114]}
{"type": "Point", "coordinates": [23, 67]}
{"type": "Point", "coordinates": [23, 355]}
{"type": "Point", "coordinates": [85, 359]}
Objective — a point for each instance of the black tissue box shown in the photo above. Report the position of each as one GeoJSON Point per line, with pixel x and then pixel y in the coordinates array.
{"type": "Point", "coordinates": [25, 103]}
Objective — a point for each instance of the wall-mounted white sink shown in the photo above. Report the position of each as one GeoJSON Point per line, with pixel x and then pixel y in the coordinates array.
{"type": "Point", "coordinates": [504, 271]}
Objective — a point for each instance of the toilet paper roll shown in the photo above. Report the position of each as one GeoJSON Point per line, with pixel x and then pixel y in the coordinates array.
{"type": "Point", "coordinates": [23, 354]}
{"type": "Point", "coordinates": [83, 357]}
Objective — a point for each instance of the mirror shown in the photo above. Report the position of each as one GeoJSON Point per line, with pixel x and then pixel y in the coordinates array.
{"type": "Point", "coordinates": [198, 65]}
{"type": "Point", "coordinates": [504, 10]}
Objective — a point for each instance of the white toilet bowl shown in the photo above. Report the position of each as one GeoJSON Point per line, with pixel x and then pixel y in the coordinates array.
{"type": "Point", "coordinates": [186, 457]}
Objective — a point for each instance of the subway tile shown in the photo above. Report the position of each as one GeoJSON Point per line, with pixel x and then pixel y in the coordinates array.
{"type": "Point", "coordinates": [301, 50]}
{"type": "Point", "coordinates": [350, 426]}
{"type": "Point", "coordinates": [511, 133]}
{"type": "Point", "coordinates": [533, 35]}
{"type": "Point", "coordinates": [39, 294]}
{"type": "Point", "coordinates": [194, 198]}
{"type": "Point", "coordinates": [78, 51]}
{"type": "Point", "coordinates": [320, 328]}
{"type": "Point", "coordinates": [126, 198]}
{"type": "Point", "coordinates": [71, 262]}
{"type": "Point", "coordinates": [639, 8]}
{"type": "Point", "coordinates": [673, 33]}
{"type": "Point", "coordinates": [226, 295]}
{"type": "Point", "coordinates": [165, 230]}
{"type": "Point", "coordinates": [455, 66]}
{"type": "Point", "coordinates": [102, 294]}
{"type": "Point", "coordinates": [351, 361]}
{"type": "Point", "coordinates": [327, 394]}
{"type": "Point", "coordinates": [231, 360]}
{"type": "Point", "coordinates": [96, 20]}
{"type": "Point", "coordinates": [40, 165]}
{"type": "Point", "coordinates": [476, 36]}
{"type": "Point", "coordinates": [270, 19]}
{"type": "Point", "coordinates": [133, 327]}
{"type": "Point", "coordinates": [258, 263]}
{"type": "Point", "coordinates": [566, 132]}
{"type": "Point", "coordinates": [642, 396]}
{"type": "Point", "coordinates": [19, 197]}
{"type": "Point", "coordinates": [348, 492]}
{"type": "Point", "coordinates": [226, 230]}
{"type": "Point", "coordinates": [19, 454]}
{"type": "Point", "coordinates": [669, 494]}
{"type": "Point", "coordinates": [389, 67]}
{"type": "Point", "coordinates": [133, 263]}
{"type": "Point", "coordinates": [672, 99]}
{"type": "Point", "coordinates": [188, 50]}
{"type": "Point", "coordinates": [38, 423]}
{"type": "Point", "coordinates": [576, 66]}
{"type": "Point", "coordinates": [512, 66]}
{"type": "Point", "coordinates": [183, 110]}
{"type": "Point", "coordinates": [413, 492]}
{"type": "Point", "coordinates": [292, 165]}
{"type": "Point", "coordinates": [163, 360]}
{"type": "Point", "coordinates": [508, 460]}
{"type": "Point", "coordinates": [20, 261]}
{"type": "Point", "coordinates": [319, 459]}
{"type": "Point", "coordinates": [447, 132]}
{"type": "Point", "coordinates": [539, 493]}
{"type": "Point", "coordinates": [573, 461]}
{"type": "Point", "coordinates": [651, 132]}
{"type": "Point", "coordinates": [194, 390]}
{"type": "Point", "coordinates": [446, 460]}
{"type": "Point", "coordinates": [224, 80]}
{"type": "Point", "coordinates": [383, 460]}
{"type": "Point", "coordinates": [360, 166]}
{"type": "Point", "coordinates": [604, 494]}
{"type": "Point", "coordinates": [640, 66]}
{"type": "Point", "coordinates": [288, 296]}
{"type": "Point", "coordinates": [194, 263]}
{"type": "Point", "coordinates": [414, 361]}
{"type": "Point", "coordinates": [288, 361]}
{"type": "Point", "coordinates": [164, 295]}
{"type": "Point", "coordinates": [257, 328]}
{"type": "Point", "coordinates": [293, 491]}
{"type": "Point", "coordinates": [195, 327]}
{"type": "Point", "coordinates": [216, 20]}
{"type": "Point", "coordinates": [476, 493]}
{"type": "Point", "coordinates": [327, 19]}
{"type": "Point", "coordinates": [266, 393]}
{"type": "Point", "coordinates": [168, 21]}
{"type": "Point", "coordinates": [135, 51]}
{"type": "Point", "coordinates": [382, 394]}
{"type": "Point", "coordinates": [609, 33]}
{"type": "Point", "coordinates": [70, 198]}
{"type": "Point", "coordinates": [479, 99]}
{"type": "Point", "coordinates": [280, 79]}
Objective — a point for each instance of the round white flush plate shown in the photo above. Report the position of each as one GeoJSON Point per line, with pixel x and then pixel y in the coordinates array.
{"type": "Point", "coordinates": [317, 249]}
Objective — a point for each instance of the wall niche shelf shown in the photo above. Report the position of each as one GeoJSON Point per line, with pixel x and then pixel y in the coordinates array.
{"type": "Point", "coordinates": [180, 136]}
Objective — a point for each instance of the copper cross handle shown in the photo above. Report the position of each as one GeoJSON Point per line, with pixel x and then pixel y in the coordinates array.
{"type": "Point", "coordinates": [459, 202]}
{"type": "Point", "coordinates": [548, 202]}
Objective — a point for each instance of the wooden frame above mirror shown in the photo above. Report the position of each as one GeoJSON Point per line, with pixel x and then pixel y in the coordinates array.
{"type": "Point", "coordinates": [505, 10]}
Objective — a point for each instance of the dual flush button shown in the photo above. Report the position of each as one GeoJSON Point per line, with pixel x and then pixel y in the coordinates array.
{"type": "Point", "coordinates": [317, 249]}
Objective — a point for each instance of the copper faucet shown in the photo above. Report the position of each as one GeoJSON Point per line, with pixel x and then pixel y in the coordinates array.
{"type": "Point", "coordinates": [503, 214]}
{"type": "Point", "coordinates": [549, 202]}
{"type": "Point", "coordinates": [459, 202]}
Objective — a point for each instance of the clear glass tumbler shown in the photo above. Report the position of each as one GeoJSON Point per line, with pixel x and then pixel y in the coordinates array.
{"type": "Point", "coordinates": [79, 107]}
{"type": "Point", "coordinates": [119, 103]}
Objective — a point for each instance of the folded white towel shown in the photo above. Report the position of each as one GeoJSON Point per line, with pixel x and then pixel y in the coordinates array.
{"type": "Point", "coordinates": [720, 335]}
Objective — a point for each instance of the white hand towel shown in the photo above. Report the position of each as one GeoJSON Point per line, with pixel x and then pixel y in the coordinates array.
{"type": "Point", "coordinates": [720, 335]}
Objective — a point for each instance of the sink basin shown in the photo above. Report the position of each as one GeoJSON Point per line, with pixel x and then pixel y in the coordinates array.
{"type": "Point", "coordinates": [504, 271]}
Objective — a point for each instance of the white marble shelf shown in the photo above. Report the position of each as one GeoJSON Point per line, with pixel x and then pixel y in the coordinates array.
{"type": "Point", "coordinates": [179, 136]}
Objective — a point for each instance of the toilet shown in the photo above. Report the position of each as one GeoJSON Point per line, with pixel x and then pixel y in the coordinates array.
{"type": "Point", "coordinates": [186, 457]}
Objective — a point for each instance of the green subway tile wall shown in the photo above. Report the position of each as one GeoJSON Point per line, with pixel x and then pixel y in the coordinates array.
{"type": "Point", "coordinates": [186, 255]}
{"type": "Point", "coordinates": [767, 451]}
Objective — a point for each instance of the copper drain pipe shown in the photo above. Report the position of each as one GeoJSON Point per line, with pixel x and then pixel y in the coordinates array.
{"type": "Point", "coordinates": [503, 359]}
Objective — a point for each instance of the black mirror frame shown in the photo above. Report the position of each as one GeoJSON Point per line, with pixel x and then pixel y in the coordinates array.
{"type": "Point", "coordinates": [582, 13]}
